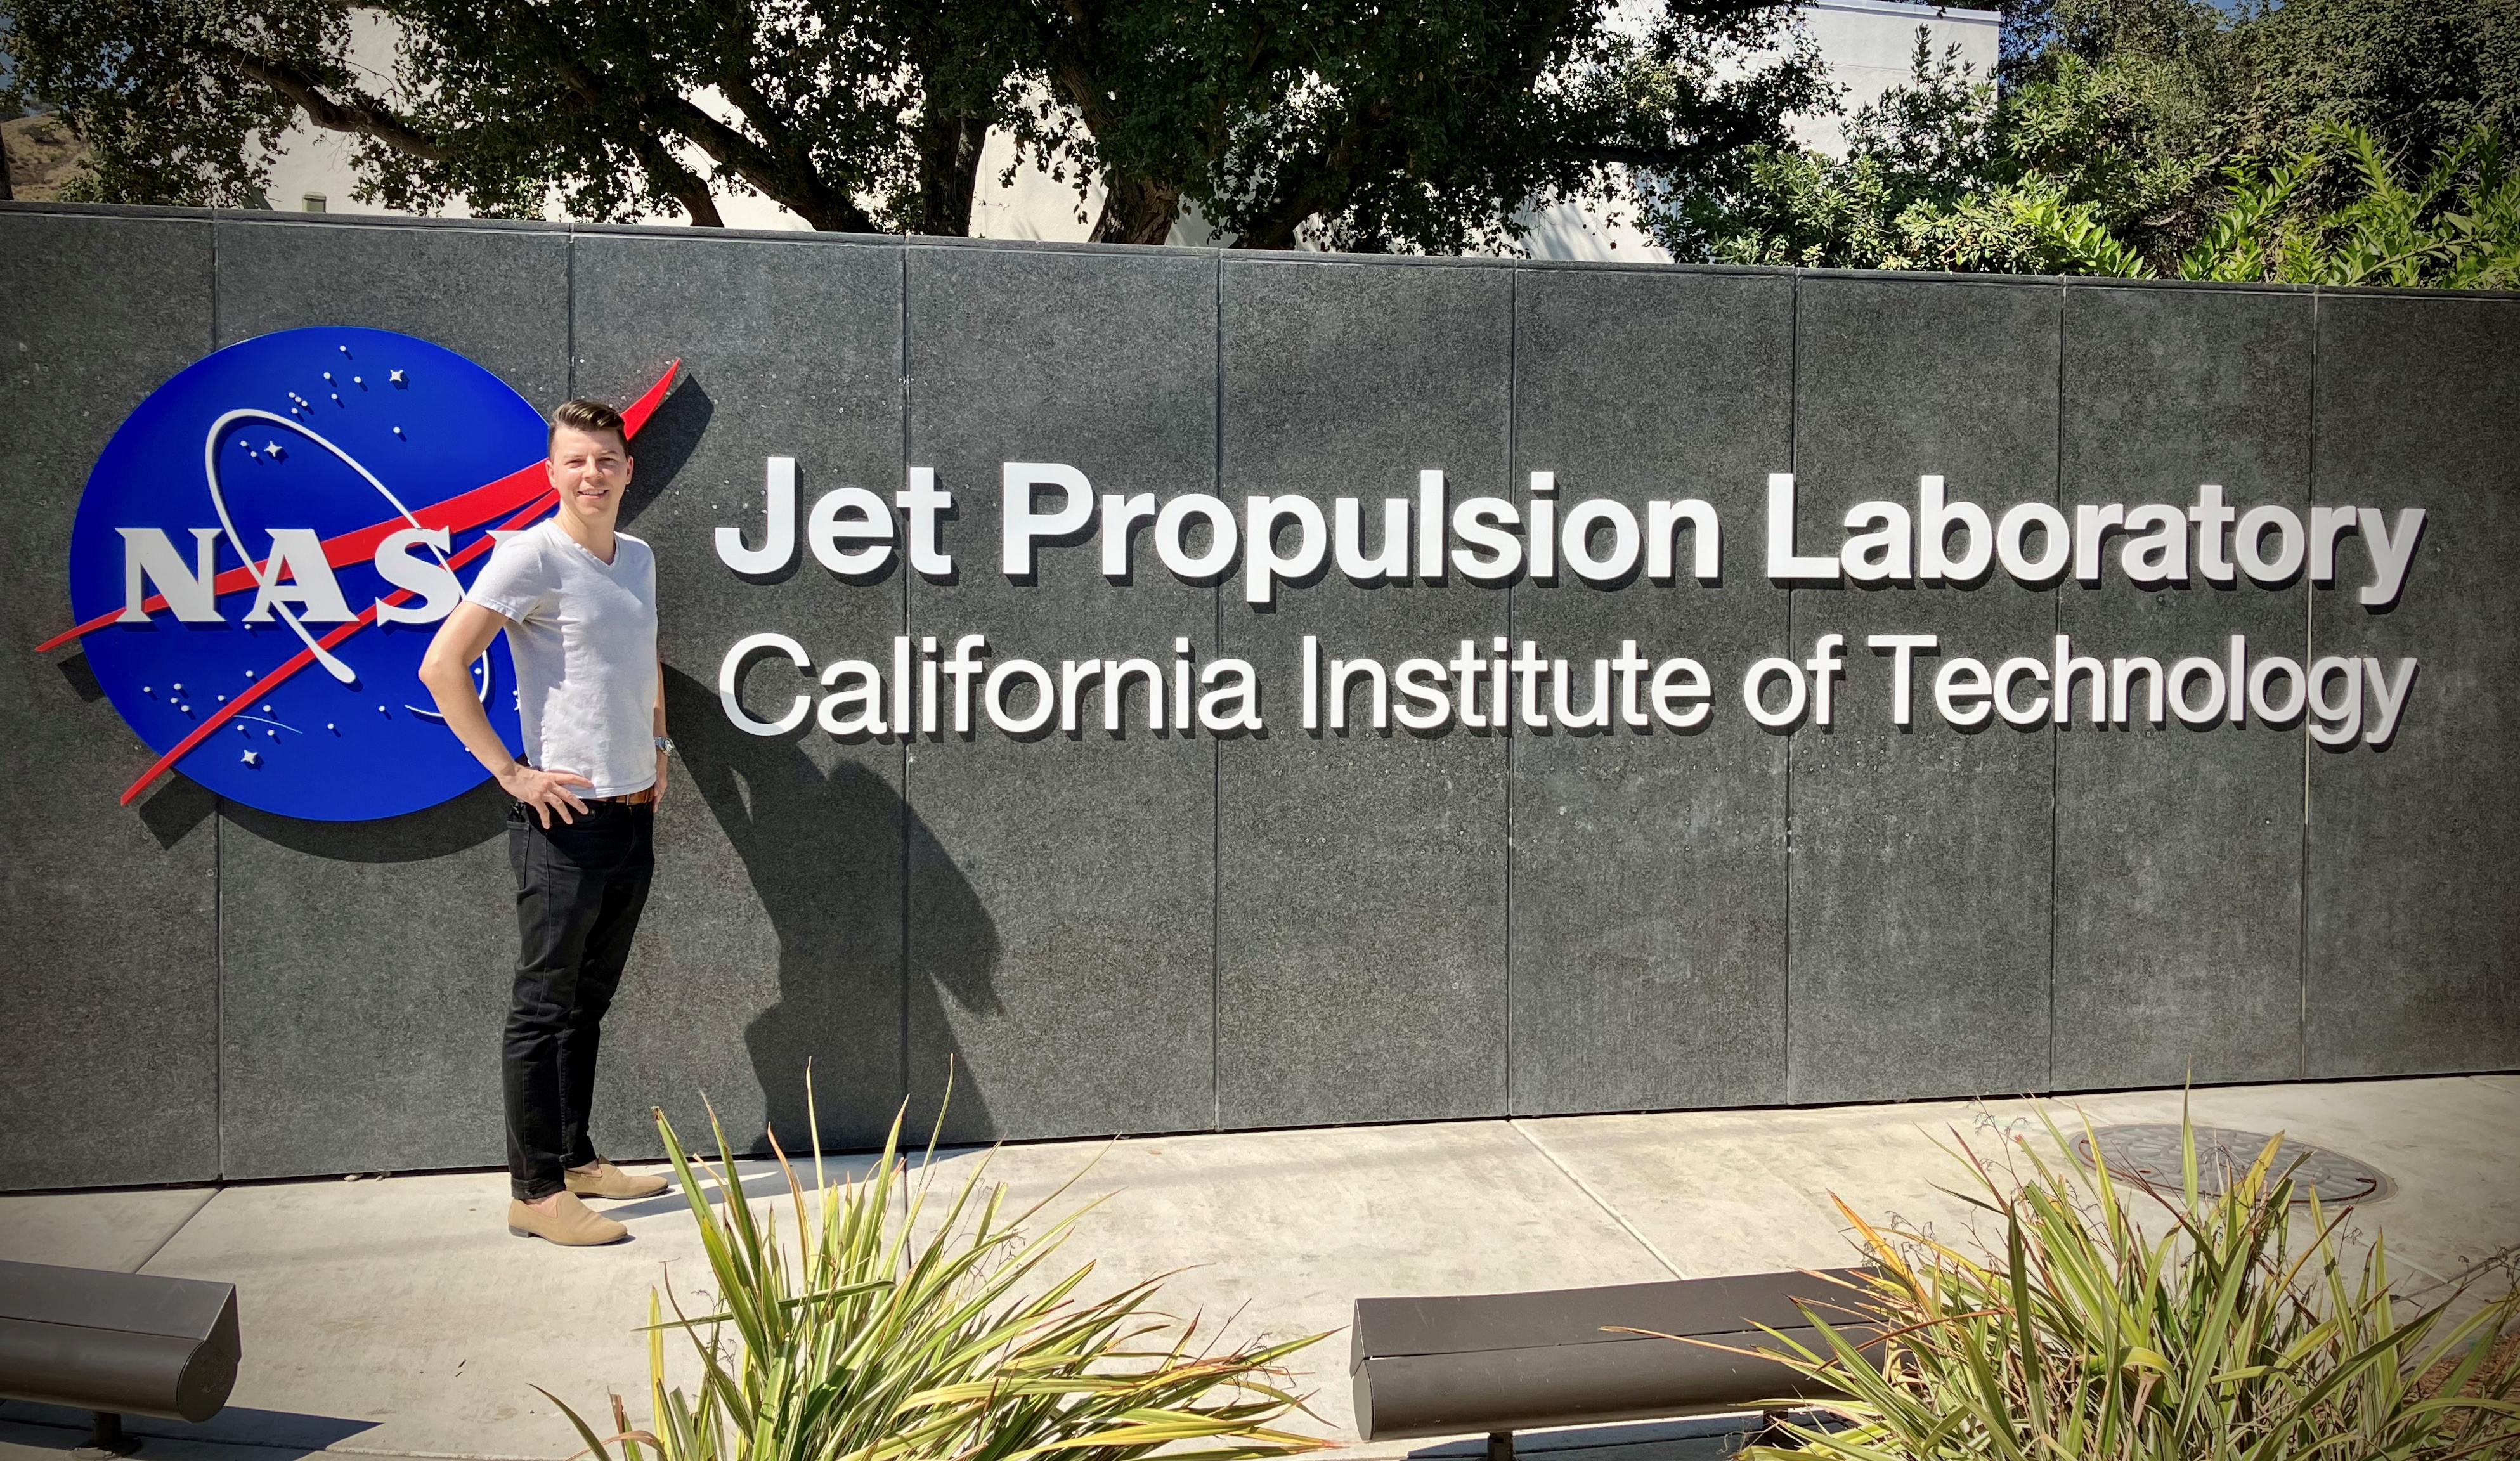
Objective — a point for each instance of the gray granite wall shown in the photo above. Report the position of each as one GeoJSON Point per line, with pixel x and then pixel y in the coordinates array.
{"type": "Point", "coordinates": [1095, 933]}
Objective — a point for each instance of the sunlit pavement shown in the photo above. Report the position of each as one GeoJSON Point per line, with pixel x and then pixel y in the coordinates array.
{"type": "Point", "coordinates": [395, 1316]}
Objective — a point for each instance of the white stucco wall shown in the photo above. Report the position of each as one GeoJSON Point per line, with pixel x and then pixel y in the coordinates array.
{"type": "Point", "coordinates": [1871, 46]}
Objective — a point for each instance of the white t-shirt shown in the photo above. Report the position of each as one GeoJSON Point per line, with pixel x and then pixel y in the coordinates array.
{"type": "Point", "coordinates": [583, 635]}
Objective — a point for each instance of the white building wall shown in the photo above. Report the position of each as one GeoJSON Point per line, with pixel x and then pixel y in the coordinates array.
{"type": "Point", "coordinates": [1866, 44]}
{"type": "Point", "coordinates": [1871, 46]}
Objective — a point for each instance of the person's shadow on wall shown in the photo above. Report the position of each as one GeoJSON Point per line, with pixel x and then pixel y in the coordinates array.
{"type": "Point", "coordinates": [827, 851]}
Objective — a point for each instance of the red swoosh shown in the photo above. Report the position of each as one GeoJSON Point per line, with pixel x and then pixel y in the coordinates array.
{"type": "Point", "coordinates": [632, 420]}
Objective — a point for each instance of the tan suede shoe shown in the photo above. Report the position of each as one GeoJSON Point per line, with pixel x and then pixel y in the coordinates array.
{"type": "Point", "coordinates": [571, 1226]}
{"type": "Point", "coordinates": [604, 1179]}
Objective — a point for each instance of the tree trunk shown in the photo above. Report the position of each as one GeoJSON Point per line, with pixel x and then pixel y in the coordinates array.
{"type": "Point", "coordinates": [687, 187]}
{"type": "Point", "coordinates": [1136, 211]}
{"type": "Point", "coordinates": [949, 173]}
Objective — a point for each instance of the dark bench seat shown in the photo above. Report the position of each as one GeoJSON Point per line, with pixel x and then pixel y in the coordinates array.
{"type": "Point", "coordinates": [1506, 1362]}
{"type": "Point", "coordinates": [117, 1343]}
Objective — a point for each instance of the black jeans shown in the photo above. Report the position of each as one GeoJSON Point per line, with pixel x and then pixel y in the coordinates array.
{"type": "Point", "coordinates": [580, 888]}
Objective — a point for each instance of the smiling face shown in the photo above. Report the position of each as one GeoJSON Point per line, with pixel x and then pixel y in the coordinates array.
{"type": "Point", "coordinates": [590, 471]}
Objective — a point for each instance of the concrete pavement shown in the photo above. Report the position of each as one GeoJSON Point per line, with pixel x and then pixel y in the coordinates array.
{"type": "Point", "coordinates": [396, 1317]}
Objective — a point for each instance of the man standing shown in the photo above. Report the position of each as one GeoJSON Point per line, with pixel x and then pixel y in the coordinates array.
{"type": "Point", "coordinates": [578, 602]}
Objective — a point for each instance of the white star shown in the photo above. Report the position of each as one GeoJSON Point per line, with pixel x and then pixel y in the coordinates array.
{"type": "Point", "coordinates": [273, 447]}
{"type": "Point", "coordinates": [395, 378]}
{"type": "Point", "coordinates": [253, 758]}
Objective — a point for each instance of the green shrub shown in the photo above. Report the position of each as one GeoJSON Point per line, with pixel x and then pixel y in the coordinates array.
{"type": "Point", "coordinates": [2245, 1331]}
{"type": "Point", "coordinates": [2455, 227]}
{"type": "Point", "coordinates": [891, 1328]}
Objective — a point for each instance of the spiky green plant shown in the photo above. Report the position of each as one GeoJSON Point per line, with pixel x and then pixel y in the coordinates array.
{"type": "Point", "coordinates": [889, 1328]}
{"type": "Point", "coordinates": [2242, 1332]}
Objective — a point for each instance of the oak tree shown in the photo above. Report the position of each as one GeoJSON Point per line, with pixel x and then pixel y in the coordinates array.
{"type": "Point", "coordinates": [1376, 124]}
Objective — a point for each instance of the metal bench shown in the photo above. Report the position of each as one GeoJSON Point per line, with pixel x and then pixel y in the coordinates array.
{"type": "Point", "coordinates": [117, 1343]}
{"type": "Point", "coordinates": [1508, 1363]}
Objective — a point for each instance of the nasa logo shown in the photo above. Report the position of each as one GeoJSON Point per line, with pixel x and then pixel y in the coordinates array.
{"type": "Point", "coordinates": [265, 551]}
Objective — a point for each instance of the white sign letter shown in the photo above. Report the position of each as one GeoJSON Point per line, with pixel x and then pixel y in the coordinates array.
{"type": "Point", "coordinates": [778, 542]}
{"type": "Point", "coordinates": [147, 555]}
{"type": "Point", "coordinates": [1782, 564]}
{"type": "Point", "coordinates": [429, 577]}
{"type": "Point", "coordinates": [731, 668]}
{"type": "Point", "coordinates": [1019, 525]}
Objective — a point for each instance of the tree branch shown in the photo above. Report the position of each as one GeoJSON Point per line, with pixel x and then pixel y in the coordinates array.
{"type": "Point", "coordinates": [357, 113]}
{"type": "Point", "coordinates": [687, 188]}
{"type": "Point", "coordinates": [822, 206]}
{"type": "Point", "coordinates": [1137, 209]}
{"type": "Point", "coordinates": [1319, 187]}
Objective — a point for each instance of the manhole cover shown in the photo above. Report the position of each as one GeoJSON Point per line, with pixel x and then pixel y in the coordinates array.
{"type": "Point", "coordinates": [2151, 1153]}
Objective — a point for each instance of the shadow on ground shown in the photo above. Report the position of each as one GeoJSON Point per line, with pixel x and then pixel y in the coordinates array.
{"type": "Point", "coordinates": [272, 1435]}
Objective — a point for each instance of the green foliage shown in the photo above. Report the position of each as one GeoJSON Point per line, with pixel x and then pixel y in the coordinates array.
{"type": "Point", "coordinates": [898, 1323]}
{"type": "Point", "coordinates": [2144, 137]}
{"type": "Point", "coordinates": [156, 131]}
{"type": "Point", "coordinates": [2419, 75]}
{"type": "Point", "coordinates": [1910, 193]}
{"type": "Point", "coordinates": [1379, 125]}
{"type": "Point", "coordinates": [1429, 126]}
{"type": "Point", "coordinates": [2244, 1332]}
{"type": "Point", "coordinates": [2457, 228]}
{"type": "Point", "coordinates": [850, 117]}
{"type": "Point", "coordinates": [2080, 241]}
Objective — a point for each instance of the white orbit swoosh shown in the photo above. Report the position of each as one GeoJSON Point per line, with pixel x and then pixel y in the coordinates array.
{"type": "Point", "coordinates": [219, 500]}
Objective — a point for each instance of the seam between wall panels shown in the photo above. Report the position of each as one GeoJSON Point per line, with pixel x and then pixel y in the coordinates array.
{"type": "Point", "coordinates": [2055, 744]}
{"type": "Point", "coordinates": [901, 399]}
{"type": "Point", "coordinates": [1215, 745]}
{"type": "Point", "coordinates": [1793, 444]}
{"type": "Point", "coordinates": [218, 882]}
{"type": "Point", "coordinates": [1512, 354]}
{"type": "Point", "coordinates": [2309, 629]}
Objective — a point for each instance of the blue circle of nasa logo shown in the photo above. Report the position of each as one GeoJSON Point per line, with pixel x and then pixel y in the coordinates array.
{"type": "Point", "coordinates": [266, 547]}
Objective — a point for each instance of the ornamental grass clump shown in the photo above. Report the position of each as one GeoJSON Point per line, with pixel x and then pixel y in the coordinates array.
{"type": "Point", "coordinates": [2243, 1332]}
{"type": "Point", "coordinates": [895, 1325]}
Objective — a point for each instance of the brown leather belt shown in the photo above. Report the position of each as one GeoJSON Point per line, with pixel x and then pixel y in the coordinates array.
{"type": "Point", "coordinates": [639, 798]}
